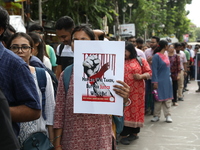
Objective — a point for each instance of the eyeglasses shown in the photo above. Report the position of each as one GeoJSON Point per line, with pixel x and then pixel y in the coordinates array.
{"type": "Point", "coordinates": [41, 33]}
{"type": "Point", "coordinates": [15, 49]}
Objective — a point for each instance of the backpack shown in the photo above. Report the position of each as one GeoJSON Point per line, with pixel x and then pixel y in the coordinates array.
{"type": "Point", "coordinates": [54, 80]}
{"type": "Point", "coordinates": [42, 82]}
{"type": "Point", "coordinates": [61, 48]}
{"type": "Point", "coordinates": [66, 76]}
{"type": "Point", "coordinates": [139, 60]}
{"type": "Point", "coordinates": [119, 123]}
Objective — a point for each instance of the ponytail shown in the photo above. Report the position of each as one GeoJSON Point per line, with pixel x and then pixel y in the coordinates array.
{"type": "Point", "coordinates": [162, 45]}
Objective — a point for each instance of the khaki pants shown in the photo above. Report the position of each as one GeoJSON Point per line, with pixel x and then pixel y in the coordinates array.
{"type": "Point", "coordinates": [166, 105]}
{"type": "Point", "coordinates": [180, 85]}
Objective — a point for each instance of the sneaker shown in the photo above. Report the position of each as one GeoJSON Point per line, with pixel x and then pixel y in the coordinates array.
{"type": "Point", "coordinates": [180, 99]}
{"type": "Point", "coordinates": [132, 137]}
{"type": "Point", "coordinates": [168, 119]}
{"type": "Point", "coordinates": [197, 91]}
{"type": "Point", "coordinates": [155, 119]}
{"type": "Point", "coordinates": [125, 141]}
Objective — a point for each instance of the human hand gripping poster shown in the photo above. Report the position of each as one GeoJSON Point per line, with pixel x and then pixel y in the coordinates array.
{"type": "Point", "coordinates": [97, 66]}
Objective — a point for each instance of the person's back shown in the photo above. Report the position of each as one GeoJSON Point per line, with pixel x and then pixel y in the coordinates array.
{"type": "Point", "coordinates": [8, 141]}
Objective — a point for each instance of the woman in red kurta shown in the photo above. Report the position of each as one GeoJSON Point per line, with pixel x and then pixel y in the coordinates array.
{"type": "Point", "coordinates": [135, 73]}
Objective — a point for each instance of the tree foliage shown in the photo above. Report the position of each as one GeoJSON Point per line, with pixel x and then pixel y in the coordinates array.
{"type": "Point", "coordinates": [164, 17]}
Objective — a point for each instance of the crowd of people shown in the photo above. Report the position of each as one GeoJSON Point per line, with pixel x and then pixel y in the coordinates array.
{"type": "Point", "coordinates": [156, 73]}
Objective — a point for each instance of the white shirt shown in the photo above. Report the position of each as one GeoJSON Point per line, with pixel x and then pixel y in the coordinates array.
{"type": "Point", "coordinates": [183, 58]}
{"type": "Point", "coordinates": [66, 52]}
{"type": "Point", "coordinates": [47, 63]}
{"type": "Point", "coordinates": [140, 53]}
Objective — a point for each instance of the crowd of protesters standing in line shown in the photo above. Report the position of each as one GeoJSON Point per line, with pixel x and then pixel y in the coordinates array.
{"type": "Point", "coordinates": [156, 75]}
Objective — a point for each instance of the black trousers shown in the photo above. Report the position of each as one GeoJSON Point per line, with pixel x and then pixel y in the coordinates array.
{"type": "Point", "coordinates": [175, 88]}
{"type": "Point", "coordinates": [129, 130]}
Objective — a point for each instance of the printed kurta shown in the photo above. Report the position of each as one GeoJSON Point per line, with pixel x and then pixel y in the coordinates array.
{"type": "Point", "coordinates": [80, 131]}
{"type": "Point", "coordinates": [134, 113]}
{"type": "Point", "coordinates": [161, 75]}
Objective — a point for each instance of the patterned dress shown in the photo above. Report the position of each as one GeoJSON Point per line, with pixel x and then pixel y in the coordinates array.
{"type": "Point", "coordinates": [175, 67]}
{"type": "Point", "coordinates": [80, 131]}
{"type": "Point", "coordinates": [134, 113]}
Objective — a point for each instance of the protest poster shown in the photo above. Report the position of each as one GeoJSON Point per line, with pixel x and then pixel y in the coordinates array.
{"type": "Point", "coordinates": [97, 66]}
{"type": "Point", "coordinates": [197, 76]}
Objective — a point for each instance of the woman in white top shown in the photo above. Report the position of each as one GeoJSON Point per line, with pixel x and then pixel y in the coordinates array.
{"type": "Point", "coordinates": [22, 45]}
{"type": "Point", "coordinates": [40, 49]}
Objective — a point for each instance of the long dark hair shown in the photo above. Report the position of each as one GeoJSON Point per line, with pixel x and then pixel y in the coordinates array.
{"type": "Point", "coordinates": [161, 45]}
{"type": "Point", "coordinates": [41, 47]}
{"type": "Point", "coordinates": [130, 47]}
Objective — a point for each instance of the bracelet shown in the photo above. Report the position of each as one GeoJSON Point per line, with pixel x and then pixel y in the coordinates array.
{"type": "Point", "coordinates": [56, 137]}
{"type": "Point", "coordinates": [129, 102]}
{"type": "Point", "coordinates": [57, 146]}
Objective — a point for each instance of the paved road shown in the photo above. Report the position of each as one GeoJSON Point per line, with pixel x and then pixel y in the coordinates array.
{"type": "Point", "coordinates": [182, 134]}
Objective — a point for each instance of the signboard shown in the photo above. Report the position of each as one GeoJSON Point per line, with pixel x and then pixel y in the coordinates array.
{"type": "Point", "coordinates": [127, 30]}
{"type": "Point", "coordinates": [197, 66]}
{"type": "Point", "coordinates": [17, 23]}
{"type": "Point", "coordinates": [186, 37]}
{"type": "Point", "coordinates": [97, 66]}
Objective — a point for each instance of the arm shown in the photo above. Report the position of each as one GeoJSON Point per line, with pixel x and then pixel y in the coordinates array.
{"type": "Point", "coordinates": [50, 106]}
{"type": "Point", "coordinates": [58, 71]}
{"type": "Point", "coordinates": [155, 71]}
{"type": "Point", "coordinates": [57, 139]}
{"type": "Point", "coordinates": [178, 66]}
{"type": "Point", "coordinates": [51, 133]}
{"type": "Point", "coordinates": [23, 113]}
{"type": "Point", "coordinates": [59, 115]}
{"type": "Point", "coordinates": [53, 58]}
{"type": "Point", "coordinates": [99, 34]}
{"type": "Point", "coordinates": [122, 90]}
{"type": "Point", "coordinates": [25, 93]}
{"type": "Point", "coordinates": [146, 71]}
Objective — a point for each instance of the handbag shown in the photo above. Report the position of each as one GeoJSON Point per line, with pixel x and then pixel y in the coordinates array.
{"type": "Point", "coordinates": [155, 94]}
{"type": "Point", "coordinates": [119, 122]}
{"type": "Point", "coordinates": [37, 141]}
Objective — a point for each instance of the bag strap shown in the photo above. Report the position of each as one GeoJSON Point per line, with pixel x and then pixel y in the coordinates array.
{"type": "Point", "coordinates": [139, 60]}
{"type": "Point", "coordinates": [66, 76]}
{"type": "Point", "coordinates": [42, 82]}
{"type": "Point", "coordinates": [61, 49]}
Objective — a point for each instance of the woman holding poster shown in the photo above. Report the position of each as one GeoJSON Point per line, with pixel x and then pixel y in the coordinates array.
{"type": "Point", "coordinates": [75, 131]}
{"type": "Point", "coordinates": [136, 70]}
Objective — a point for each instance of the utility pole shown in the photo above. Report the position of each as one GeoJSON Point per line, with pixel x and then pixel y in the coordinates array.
{"type": "Point", "coordinates": [28, 3]}
{"type": "Point", "coordinates": [40, 11]}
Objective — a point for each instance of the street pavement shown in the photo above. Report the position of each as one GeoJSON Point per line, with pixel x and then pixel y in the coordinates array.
{"type": "Point", "coordinates": [182, 134]}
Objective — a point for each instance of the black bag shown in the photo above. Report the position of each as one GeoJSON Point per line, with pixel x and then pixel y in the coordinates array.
{"type": "Point", "coordinates": [54, 80]}
{"type": "Point", "coordinates": [37, 141]}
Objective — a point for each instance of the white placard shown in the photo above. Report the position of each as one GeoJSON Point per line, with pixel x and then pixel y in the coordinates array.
{"type": "Point", "coordinates": [97, 66]}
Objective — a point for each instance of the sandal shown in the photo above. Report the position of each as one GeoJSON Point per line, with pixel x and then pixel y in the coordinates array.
{"type": "Point", "coordinates": [175, 104]}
